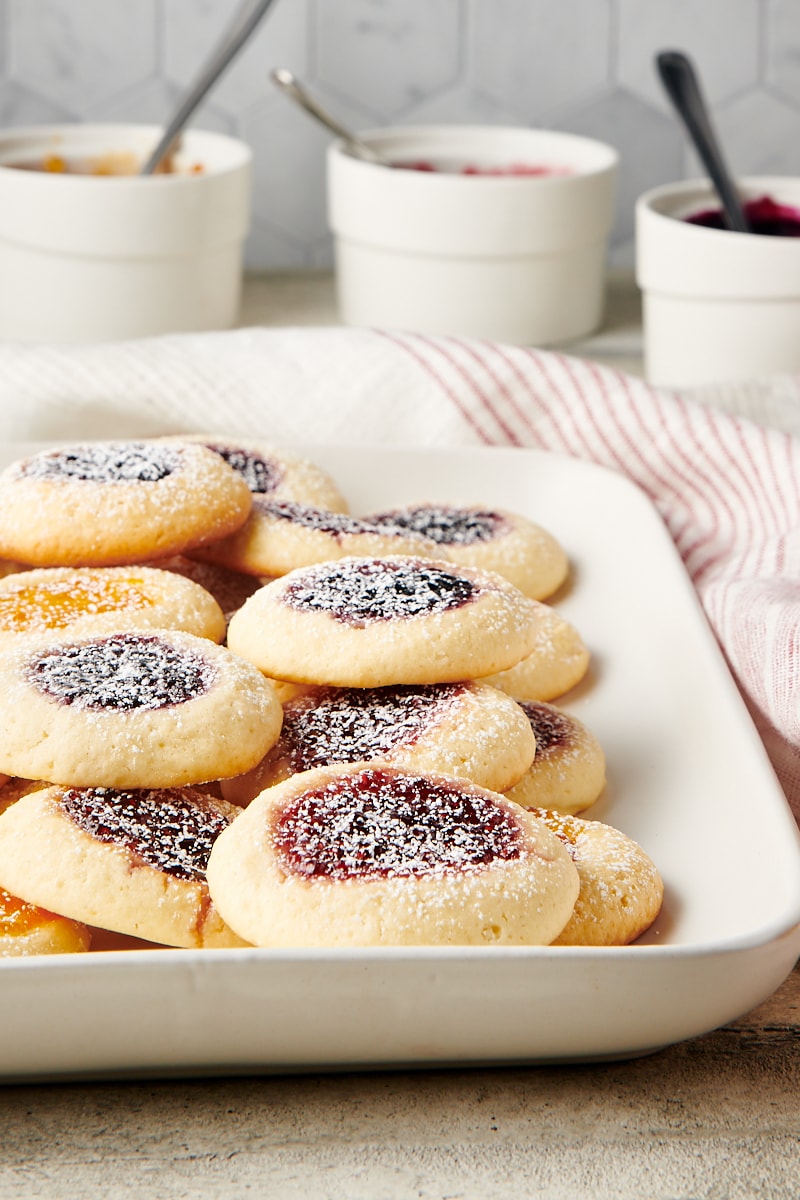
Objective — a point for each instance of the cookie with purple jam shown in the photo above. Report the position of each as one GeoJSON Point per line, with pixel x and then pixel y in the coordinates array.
{"type": "Point", "coordinates": [129, 861]}
{"type": "Point", "coordinates": [84, 600]}
{"type": "Point", "coordinates": [557, 661]}
{"type": "Point", "coordinates": [281, 535]}
{"type": "Point", "coordinates": [568, 772]}
{"type": "Point", "coordinates": [275, 473]}
{"type": "Point", "coordinates": [372, 856]}
{"type": "Point", "coordinates": [621, 889]}
{"type": "Point", "coordinates": [369, 622]}
{"type": "Point", "coordinates": [468, 730]}
{"type": "Point", "coordinates": [113, 503]}
{"type": "Point", "coordinates": [133, 709]}
{"type": "Point", "coordinates": [493, 539]}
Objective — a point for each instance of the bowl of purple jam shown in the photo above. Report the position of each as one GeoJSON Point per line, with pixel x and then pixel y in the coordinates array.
{"type": "Point", "coordinates": [477, 231]}
{"type": "Point", "coordinates": [717, 306]}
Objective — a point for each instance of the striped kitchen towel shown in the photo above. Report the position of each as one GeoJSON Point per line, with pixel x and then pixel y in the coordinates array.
{"type": "Point", "coordinates": [722, 468]}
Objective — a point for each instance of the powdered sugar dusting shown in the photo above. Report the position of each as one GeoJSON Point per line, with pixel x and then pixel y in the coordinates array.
{"type": "Point", "coordinates": [120, 672]}
{"type": "Point", "coordinates": [171, 830]}
{"type": "Point", "coordinates": [448, 525]}
{"type": "Point", "coordinates": [376, 824]}
{"type": "Point", "coordinates": [359, 591]}
{"type": "Point", "coordinates": [262, 475]}
{"type": "Point", "coordinates": [105, 462]}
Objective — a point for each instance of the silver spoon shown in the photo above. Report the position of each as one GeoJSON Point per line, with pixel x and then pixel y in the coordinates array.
{"type": "Point", "coordinates": [683, 88]}
{"type": "Point", "coordinates": [244, 24]}
{"type": "Point", "coordinates": [292, 87]}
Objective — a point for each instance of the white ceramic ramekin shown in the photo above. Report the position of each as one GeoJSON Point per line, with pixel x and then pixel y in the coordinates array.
{"type": "Point", "coordinates": [718, 307]}
{"type": "Point", "coordinates": [513, 258]}
{"type": "Point", "coordinates": [87, 258]}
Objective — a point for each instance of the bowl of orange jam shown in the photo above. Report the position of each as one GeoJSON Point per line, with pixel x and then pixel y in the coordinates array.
{"type": "Point", "coordinates": [92, 251]}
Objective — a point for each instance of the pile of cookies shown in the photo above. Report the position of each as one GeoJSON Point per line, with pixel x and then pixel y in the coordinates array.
{"type": "Point", "coordinates": [235, 714]}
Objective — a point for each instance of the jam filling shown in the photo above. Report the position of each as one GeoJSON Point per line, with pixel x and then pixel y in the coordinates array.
{"type": "Point", "coordinates": [349, 725]}
{"type": "Point", "coordinates": [364, 590]}
{"type": "Point", "coordinates": [106, 462]}
{"type": "Point", "coordinates": [319, 519]}
{"type": "Point", "coordinates": [120, 672]}
{"type": "Point", "coordinates": [170, 829]}
{"type": "Point", "coordinates": [551, 729]}
{"type": "Point", "coordinates": [55, 604]}
{"type": "Point", "coordinates": [18, 917]}
{"type": "Point", "coordinates": [447, 526]}
{"type": "Point", "coordinates": [379, 825]}
{"type": "Point", "coordinates": [260, 474]}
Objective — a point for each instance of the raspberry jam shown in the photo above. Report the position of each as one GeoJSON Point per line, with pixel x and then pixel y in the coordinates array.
{"type": "Point", "coordinates": [121, 672]}
{"type": "Point", "coordinates": [763, 216]}
{"type": "Point", "coordinates": [379, 824]}
{"type": "Point", "coordinates": [447, 526]}
{"type": "Point", "coordinates": [105, 462]}
{"type": "Point", "coordinates": [261, 474]}
{"type": "Point", "coordinates": [359, 591]}
{"type": "Point", "coordinates": [170, 829]}
{"type": "Point", "coordinates": [348, 725]}
{"type": "Point", "coordinates": [319, 519]}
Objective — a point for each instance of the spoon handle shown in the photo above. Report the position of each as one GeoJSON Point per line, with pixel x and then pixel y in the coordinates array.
{"type": "Point", "coordinates": [244, 24]}
{"type": "Point", "coordinates": [288, 83]}
{"type": "Point", "coordinates": [682, 86]}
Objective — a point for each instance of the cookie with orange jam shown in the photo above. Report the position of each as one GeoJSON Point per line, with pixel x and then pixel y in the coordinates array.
{"type": "Point", "coordinates": [133, 709]}
{"type": "Point", "coordinates": [621, 890]}
{"type": "Point", "coordinates": [468, 730]}
{"type": "Point", "coordinates": [82, 600]}
{"type": "Point", "coordinates": [112, 503]}
{"type": "Point", "coordinates": [369, 622]}
{"type": "Point", "coordinates": [493, 539]}
{"type": "Point", "coordinates": [28, 929]}
{"type": "Point", "coordinates": [372, 856]}
{"type": "Point", "coordinates": [129, 861]}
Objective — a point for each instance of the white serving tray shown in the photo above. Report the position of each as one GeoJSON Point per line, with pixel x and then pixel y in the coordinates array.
{"type": "Point", "coordinates": [688, 779]}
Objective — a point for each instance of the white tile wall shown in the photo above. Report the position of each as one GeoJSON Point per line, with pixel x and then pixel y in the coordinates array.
{"type": "Point", "coordinates": [581, 65]}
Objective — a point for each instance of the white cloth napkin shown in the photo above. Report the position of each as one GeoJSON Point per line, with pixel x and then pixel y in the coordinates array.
{"type": "Point", "coordinates": [722, 469]}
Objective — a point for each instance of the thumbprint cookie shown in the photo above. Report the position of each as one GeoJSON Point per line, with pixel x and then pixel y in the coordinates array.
{"type": "Point", "coordinates": [372, 856]}
{"type": "Point", "coordinates": [268, 471]}
{"type": "Point", "coordinates": [493, 539]}
{"type": "Point", "coordinates": [282, 535]}
{"type": "Point", "coordinates": [130, 861]}
{"type": "Point", "coordinates": [468, 730]}
{"type": "Point", "coordinates": [83, 600]}
{"type": "Point", "coordinates": [557, 661]}
{"type": "Point", "coordinates": [369, 622]}
{"type": "Point", "coordinates": [112, 503]}
{"type": "Point", "coordinates": [133, 709]}
{"type": "Point", "coordinates": [28, 929]}
{"type": "Point", "coordinates": [569, 770]}
{"type": "Point", "coordinates": [621, 890]}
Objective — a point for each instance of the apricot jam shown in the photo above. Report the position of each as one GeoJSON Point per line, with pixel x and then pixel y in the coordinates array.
{"type": "Point", "coordinates": [33, 607]}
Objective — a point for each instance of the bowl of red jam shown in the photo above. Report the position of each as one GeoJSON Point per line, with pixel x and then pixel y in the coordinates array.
{"type": "Point", "coordinates": [480, 231]}
{"type": "Point", "coordinates": [92, 251]}
{"type": "Point", "coordinates": [718, 306]}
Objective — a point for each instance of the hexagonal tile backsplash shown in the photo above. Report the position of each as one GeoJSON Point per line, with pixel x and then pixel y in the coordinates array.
{"type": "Point", "coordinates": [581, 65]}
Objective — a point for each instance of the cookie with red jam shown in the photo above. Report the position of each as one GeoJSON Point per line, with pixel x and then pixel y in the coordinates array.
{"type": "Point", "coordinates": [132, 709]}
{"type": "Point", "coordinates": [272, 472]}
{"type": "Point", "coordinates": [370, 622]}
{"type": "Point", "coordinates": [283, 535]}
{"type": "Point", "coordinates": [468, 730]}
{"type": "Point", "coordinates": [493, 539]}
{"type": "Point", "coordinates": [131, 861]}
{"type": "Point", "coordinates": [621, 890]}
{"type": "Point", "coordinates": [556, 662]}
{"type": "Point", "coordinates": [373, 856]}
{"type": "Point", "coordinates": [113, 503]}
{"type": "Point", "coordinates": [84, 600]}
{"type": "Point", "coordinates": [568, 772]}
